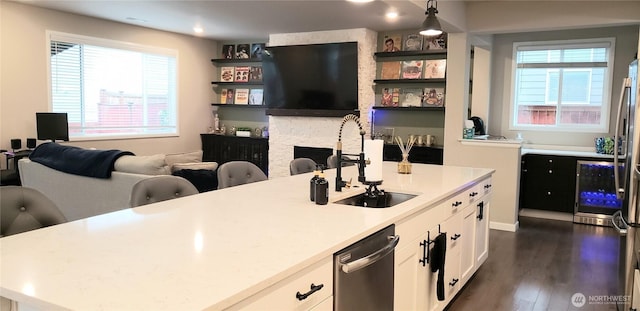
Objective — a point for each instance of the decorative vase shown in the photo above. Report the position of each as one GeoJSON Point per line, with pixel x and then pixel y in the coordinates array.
{"type": "Point", "coordinates": [404, 166]}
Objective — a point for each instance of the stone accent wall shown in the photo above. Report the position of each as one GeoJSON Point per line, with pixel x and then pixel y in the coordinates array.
{"type": "Point", "coordinates": [286, 132]}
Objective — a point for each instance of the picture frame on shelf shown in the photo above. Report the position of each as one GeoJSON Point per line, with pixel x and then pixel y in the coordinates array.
{"type": "Point", "coordinates": [242, 97]}
{"type": "Point", "coordinates": [256, 97]}
{"type": "Point", "coordinates": [390, 97]}
{"type": "Point", "coordinates": [230, 96]}
{"type": "Point", "coordinates": [435, 69]}
{"type": "Point", "coordinates": [242, 74]}
{"type": "Point", "coordinates": [412, 69]}
{"type": "Point", "coordinates": [228, 51]}
{"type": "Point", "coordinates": [411, 97]}
{"type": "Point", "coordinates": [223, 96]}
{"type": "Point", "coordinates": [256, 50]}
{"type": "Point", "coordinates": [433, 97]}
{"type": "Point", "coordinates": [392, 43]}
{"type": "Point", "coordinates": [390, 70]}
{"type": "Point", "coordinates": [435, 42]}
{"type": "Point", "coordinates": [412, 42]}
{"type": "Point", "coordinates": [227, 74]}
{"type": "Point", "coordinates": [255, 74]}
{"type": "Point", "coordinates": [242, 51]}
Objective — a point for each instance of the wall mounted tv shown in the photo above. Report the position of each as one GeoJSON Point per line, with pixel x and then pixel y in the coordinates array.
{"type": "Point", "coordinates": [311, 80]}
{"type": "Point", "coordinates": [52, 126]}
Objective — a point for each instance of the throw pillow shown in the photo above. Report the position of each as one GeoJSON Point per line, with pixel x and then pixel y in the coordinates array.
{"type": "Point", "coordinates": [195, 166]}
{"type": "Point", "coordinates": [204, 180]}
{"type": "Point", "coordinates": [147, 165]}
{"type": "Point", "coordinates": [187, 157]}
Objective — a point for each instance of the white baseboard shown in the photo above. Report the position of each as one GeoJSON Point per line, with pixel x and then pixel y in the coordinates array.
{"type": "Point", "coordinates": [546, 214]}
{"type": "Point", "coordinates": [504, 226]}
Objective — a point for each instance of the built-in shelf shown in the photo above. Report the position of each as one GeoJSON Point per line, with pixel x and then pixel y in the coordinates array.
{"type": "Point", "coordinates": [399, 81]}
{"type": "Point", "coordinates": [410, 53]}
{"type": "Point", "coordinates": [235, 60]}
{"type": "Point", "coordinates": [235, 83]}
{"type": "Point", "coordinates": [409, 108]}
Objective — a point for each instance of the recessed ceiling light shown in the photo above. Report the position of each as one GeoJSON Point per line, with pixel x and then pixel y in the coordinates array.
{"type": "Point", "coordinates": [360, 1]}
{"type": "Point", "coordinates": [198, 29]}
{"type": "Point", "coordinates": [391, 15]}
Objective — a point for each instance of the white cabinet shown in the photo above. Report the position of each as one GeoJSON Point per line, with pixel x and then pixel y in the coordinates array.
{"type": "Point", "coordinates": [467, 249]}
{"type": "Point", "coordinates": [482, 231]}
{"type": "Point", "coordinates": [464, 216]}
{"type": "Point", "coordinates": [325, 305]}
{"type": "Point", "coordinates": [453, 228]}
{"type": "Point", "coordinates": [305, 290]}
{"type": "Point", "coordinates": [415, 284]}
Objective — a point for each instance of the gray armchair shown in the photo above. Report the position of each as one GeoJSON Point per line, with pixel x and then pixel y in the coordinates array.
{"type": "Point", "coordinates": [160, 188]}
{"type": "Point", "coordinates": [301, 165]}
{"type": "Point", "coordinates": [236, 173]}
{"type": "Point", "coordinates": [332, 161]}
{"type": "Point", "coordinates": [23, 209]}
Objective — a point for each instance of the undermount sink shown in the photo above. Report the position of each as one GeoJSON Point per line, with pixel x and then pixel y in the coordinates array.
{"type": "Point", "coordinates": [389, 199]}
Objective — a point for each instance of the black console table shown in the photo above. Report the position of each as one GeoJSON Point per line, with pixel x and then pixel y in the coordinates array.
{"type": "Point", "coordinates": [418, 154]}
{"type": "Point", "coordinates": [222, 149]}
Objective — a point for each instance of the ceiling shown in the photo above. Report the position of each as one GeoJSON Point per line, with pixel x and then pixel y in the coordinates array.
{"type": "Point", "coordinates": [242, 19]}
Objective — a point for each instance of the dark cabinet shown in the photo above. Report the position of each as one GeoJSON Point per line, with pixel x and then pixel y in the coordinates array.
{"type": "Point", "coordinates": [221, 149]}
{"type": "Point", "coordinates": [548, 182]}
{"type": "Point", "coordinates": [418, 154]}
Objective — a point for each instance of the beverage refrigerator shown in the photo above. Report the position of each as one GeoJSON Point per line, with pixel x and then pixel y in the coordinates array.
{"type": "Point", "coordinates": [596, 199]}
{"type": "Point", "coordinates": [626, 221]}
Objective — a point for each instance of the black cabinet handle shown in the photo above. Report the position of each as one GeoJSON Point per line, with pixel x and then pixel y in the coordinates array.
{"type": "Point", "coordinates": [314, 288]}
{"type": "Point", "coordinates": [456, 236]}
{"type": "Point", "coordinates": [480, 211]}
{"type": "Point", "coordinates": [473, 194]}
{"type": "Point", "coordinates": [487, 186]}
{"type": "Point", "coordinates": [453, 282]}
{"type": "Point", "coordinates": [456, 203]}
{"type": "Point", "coordinates": [425, 252]}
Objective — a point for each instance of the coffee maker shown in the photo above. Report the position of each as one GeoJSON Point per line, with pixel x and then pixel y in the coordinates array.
{"type": "Point", "coordinates": [478, 125]}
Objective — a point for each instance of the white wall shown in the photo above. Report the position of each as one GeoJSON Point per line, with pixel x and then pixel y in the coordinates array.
{"type": "Point", "coordinates": [504, 158]}
{"type": "Point", "coordinates": [23, 62]}
{"type": "Point", "coordinates": [625, 50]}
{"type": "Point", "coordinates": [286, 132]}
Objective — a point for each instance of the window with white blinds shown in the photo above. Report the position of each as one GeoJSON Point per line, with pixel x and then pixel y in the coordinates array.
{"type": "Point", "coordinates": [112, 89]}
{"type": "Point", "coordinates": [562, 85]}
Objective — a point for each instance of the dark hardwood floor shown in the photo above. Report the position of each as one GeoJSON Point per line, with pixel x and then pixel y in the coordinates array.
{"type": "Point", "coordinates": [542, 266]}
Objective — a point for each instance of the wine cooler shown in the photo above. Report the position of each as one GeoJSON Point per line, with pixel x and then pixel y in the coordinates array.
{"type": "Point", "coordinates": [596, 197]}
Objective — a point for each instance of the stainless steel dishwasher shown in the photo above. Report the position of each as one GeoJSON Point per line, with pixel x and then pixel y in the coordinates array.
{"type": "Point", "coordinates": [363, 273]}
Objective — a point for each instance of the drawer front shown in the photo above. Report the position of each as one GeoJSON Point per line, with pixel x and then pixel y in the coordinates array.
{"type": "Point", "coordinates": [468, 196]}
{"type": "Point", "coordinates": [548, 162]}
{"type": "Point", "coordinates": [416, 226]}
{"type": "Point", "coordinates": [289, 294]}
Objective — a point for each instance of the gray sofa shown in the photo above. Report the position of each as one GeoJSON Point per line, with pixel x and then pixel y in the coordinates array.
{"type": "Point", "coordinates": [80, 197]}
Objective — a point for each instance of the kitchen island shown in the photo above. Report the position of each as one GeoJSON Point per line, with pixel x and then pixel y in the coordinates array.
{"type": "Point", "coordinates": [230, 248]}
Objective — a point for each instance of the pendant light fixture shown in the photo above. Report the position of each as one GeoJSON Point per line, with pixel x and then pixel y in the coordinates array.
{"type": "Point", "coordinates": [431, 25]}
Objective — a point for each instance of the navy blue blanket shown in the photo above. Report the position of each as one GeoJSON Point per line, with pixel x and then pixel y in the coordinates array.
{"type": "Point", "coordinates": [78, 161]}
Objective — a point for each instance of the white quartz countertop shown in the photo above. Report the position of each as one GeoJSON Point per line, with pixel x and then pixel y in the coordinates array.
{"type": "Point", "coordinates": [207, 251]}
{"type": "Point", "coordinates": [572, 153]}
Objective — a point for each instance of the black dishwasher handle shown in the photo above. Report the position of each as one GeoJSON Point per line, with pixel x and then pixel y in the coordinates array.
{"type": "Point", "coordinates": [348, 267]}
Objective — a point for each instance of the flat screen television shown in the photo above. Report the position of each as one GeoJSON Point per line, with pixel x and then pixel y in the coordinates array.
{"type": "Point", "coordinates": [52, 126]}
{"type": "Point", "coordinates": [311, 80]}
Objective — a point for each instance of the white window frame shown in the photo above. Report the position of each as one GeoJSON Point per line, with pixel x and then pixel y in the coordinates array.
{"type": "Point", "coordinates": [121, 45]}
{"type": "Point", "coordinates": [564, 44]}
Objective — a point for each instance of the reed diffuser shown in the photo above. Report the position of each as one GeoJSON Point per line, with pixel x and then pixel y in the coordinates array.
{"type": "Point", "coordinates": [404, 166]}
